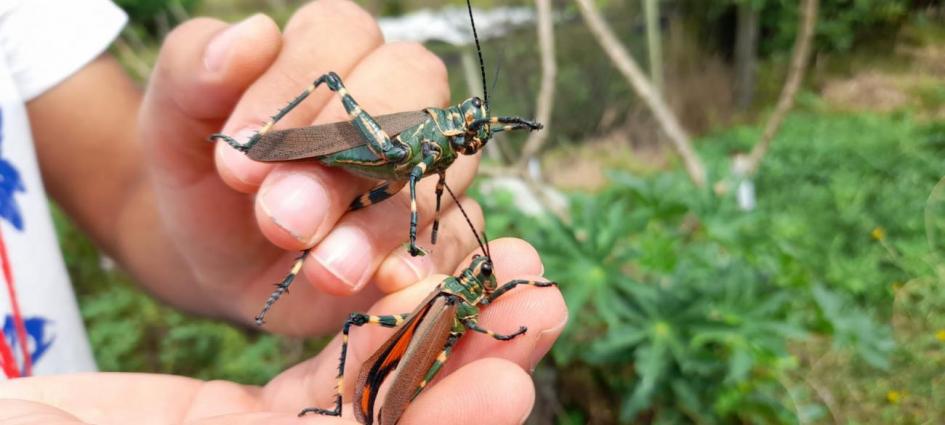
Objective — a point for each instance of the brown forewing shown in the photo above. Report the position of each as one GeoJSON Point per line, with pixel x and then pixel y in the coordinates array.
{"type": "Point", "coordinates": [325, 139]}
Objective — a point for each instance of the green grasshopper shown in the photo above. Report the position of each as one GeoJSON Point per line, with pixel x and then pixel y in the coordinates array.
{"type": "Point", "coordinates": [398, 149]}
{"type": "Point", "coordinates": [423, 342]}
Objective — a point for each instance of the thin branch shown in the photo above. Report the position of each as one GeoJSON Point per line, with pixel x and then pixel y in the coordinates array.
{"type": "Point", "coordinates": [549, 71]}
{"type": "Point", "coordinates": [654, 42]}
{"type": "Point", "coordinates": [631, 71]}
{"type": "Point", "coordinates": [799, 61]}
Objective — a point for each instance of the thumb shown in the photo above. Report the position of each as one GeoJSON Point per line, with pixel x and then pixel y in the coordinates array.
{"type": "Point", "coordinates": [202, 70]}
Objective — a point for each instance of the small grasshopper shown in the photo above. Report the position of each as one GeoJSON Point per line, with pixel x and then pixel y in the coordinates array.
{"type": "Point", "coordinates": [424, 341]}
{"type": "Point", "coordinates": [398, 148]}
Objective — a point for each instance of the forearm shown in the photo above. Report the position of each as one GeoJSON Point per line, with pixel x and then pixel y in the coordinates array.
{"type": "Point", "coordinates": [85, 134]}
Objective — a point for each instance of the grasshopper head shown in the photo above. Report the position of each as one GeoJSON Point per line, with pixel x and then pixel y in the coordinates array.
{"type": "Point", "coordinates": [475, 136]}
{"type": "Point", "coordinates": [481, 268]}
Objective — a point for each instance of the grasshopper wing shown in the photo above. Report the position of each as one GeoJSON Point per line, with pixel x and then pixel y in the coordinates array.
{"type": "Point", "coordinates": [417, 344]}
{"type": "Point", "coordinates": [325, 139]}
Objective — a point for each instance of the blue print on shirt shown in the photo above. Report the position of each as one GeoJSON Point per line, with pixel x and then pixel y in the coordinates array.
{"type": "Point", "coordinates": [10, 183]}
{"type": "Point", "coordinates": [36, 331]}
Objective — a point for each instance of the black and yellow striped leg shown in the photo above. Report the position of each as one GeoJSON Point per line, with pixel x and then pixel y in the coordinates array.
{"type": "Point", "coordinates": [438, 364]}
{"type": "Point", "coordinates": [282, 287]}
{"type": "Point", "coordinates": [472, 325]}
{"type": "Point", "coordinates": [508, 123]}
{"type": "Point", "coordinates": [511, 285]}
{"type": "Point", "coordinates": [415, 175]}
{"type": "Point", "coordinates": [273, 120]}
{"type": "Point", "coordinates": [356, 319]}
{"type": "Point", "coordinates": [379, 193]}
{"type": "Point", "coordinates": [378, 140]}
{"type": "Point", "coordinates": [436, 214]}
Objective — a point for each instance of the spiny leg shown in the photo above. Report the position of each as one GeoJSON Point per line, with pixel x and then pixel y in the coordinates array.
{"type": "Point", "coordinates": [472, 325]}
{"type": "Point", "coordinates": [377, 194]}
{"type": "Point", "coordinates": [356, 319]}
{"type": "Point", "coordinates": [282, 287]}
{"type": "Point", "coordinates": [436, 215]}
{"type": "Point", "coordinates": [378, 140]}
{"type": "Point", "coordinates": [273, 120]}
{"type": "Point", "coordinates": [438, 364]}
{"type": "Point", "coordinates": [511, 285]}
{"type": "Point", "coordinates": [510, 123]}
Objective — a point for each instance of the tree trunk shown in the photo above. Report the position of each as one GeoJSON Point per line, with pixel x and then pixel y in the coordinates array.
{"type": "Point", "coordinates": [746, 55]}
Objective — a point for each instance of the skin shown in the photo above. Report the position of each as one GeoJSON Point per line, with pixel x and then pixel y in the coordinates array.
{"type": "Point", "coordinates": [207, 230]}
{"type": "Point", "coordinates": [485, 380]}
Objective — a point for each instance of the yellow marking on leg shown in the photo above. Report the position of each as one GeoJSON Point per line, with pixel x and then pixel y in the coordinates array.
{"type": "Point", "coordinates": [413, 205]}
{"type": "Point", "coordinates": [374, 319]}
{"type": "Point", "coordinates": [297, 266]}
{"type": "Point", "coordinates": [344, 338]}
{"type": "Point", "coordinates": [341, 385]}
{"type": "Point", "coordinates": [265, 128]}
{"type": "Point", "coordinates": [343, 91]}
{"type": "Point", "coordinates": [355, 112]}
{"type": "Point", "coordinates": [399, 320]}
{"type": "Point", "coordinates": [442, 357]}
{"type": "Point", "coordinates": [422, 384]}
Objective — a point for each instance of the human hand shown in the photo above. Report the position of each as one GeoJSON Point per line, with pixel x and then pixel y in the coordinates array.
{"type": "Point", "coordinates": [484, 381]}
{"type": "Point", "coordinates": [238, 224]}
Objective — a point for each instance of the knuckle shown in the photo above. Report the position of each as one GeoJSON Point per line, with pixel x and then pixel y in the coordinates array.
{"type": "Point", "coordinates": [179, 41]}
{"type": "Point", "coordinates": [354, 20]}
{"type": "Point", "coordinates": [419, 59]}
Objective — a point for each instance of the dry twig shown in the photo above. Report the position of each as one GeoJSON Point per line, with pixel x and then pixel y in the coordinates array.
{"type": "Point", "coordinates": [549, 70]}
{"type": "Point", "coordinates": [799, 60]}
{"type": "Point", "coordinates": [653, 100]}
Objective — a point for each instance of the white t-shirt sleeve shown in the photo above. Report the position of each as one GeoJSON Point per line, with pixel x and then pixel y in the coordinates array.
{"type": "Point", "coordinates": [46, 41]}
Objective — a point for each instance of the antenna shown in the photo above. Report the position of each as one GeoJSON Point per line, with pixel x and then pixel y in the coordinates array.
{"type": "Point", "coordinates": [482, 66]}
{"type": "Point", "coordinates": [484, 248]}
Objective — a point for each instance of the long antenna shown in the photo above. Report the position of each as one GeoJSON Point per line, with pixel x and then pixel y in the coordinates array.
{"type": "Point", "coordinates": [485, 250]}
{"type": "Point", "coordinates": [482, 66]}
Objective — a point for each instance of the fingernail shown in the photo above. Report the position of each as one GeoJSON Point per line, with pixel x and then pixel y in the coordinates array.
{"type": "Point", "coordinates": [215, 55]}
{"type": "Point", "coordinates": [544, 340]}
{"type": "Point", "coordinates": [296, 202]}
{"type": "Point", "coordinates": [346, 253]}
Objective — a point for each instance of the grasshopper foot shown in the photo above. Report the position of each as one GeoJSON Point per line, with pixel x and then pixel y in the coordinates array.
{"type": "Point", "coordinates": [416, 251]}
{"type": "Point", "coordinates": [324, 412]}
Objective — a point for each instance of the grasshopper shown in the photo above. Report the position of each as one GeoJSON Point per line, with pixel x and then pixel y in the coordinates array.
{"type": "Point", "coordinates": [398, 149]}
{"type": "Point", "coordinates": [423, 342]}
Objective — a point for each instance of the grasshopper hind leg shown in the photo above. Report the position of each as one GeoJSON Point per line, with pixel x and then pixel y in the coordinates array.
{"type": "Point", "coordinates": [379, 193]}
{"type": "Point", "coordinates": [356, 319]}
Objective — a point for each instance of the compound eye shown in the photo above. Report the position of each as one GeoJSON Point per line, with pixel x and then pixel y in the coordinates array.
{"type": "Point", "coordinates": [477, 102]}
{"type": "Point", "coordinates": [486, 268]}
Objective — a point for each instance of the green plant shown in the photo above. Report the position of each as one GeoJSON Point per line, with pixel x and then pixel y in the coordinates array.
{"type": "Point", "coordinates": [688, 309]}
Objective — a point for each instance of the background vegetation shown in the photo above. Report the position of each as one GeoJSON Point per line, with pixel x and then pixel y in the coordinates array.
{"type": "Point", "coordinates": [821, 305]}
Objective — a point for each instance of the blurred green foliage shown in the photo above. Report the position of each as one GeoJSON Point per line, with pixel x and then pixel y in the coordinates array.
{"type": "Point", "coordinates": [131, 332]}
{"type": "Point", "coordinates": [841, 23]}
{"type": "Point", "coordinates": [154, 16]}
{"type": "Point", "coordinates": [685, 308]}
